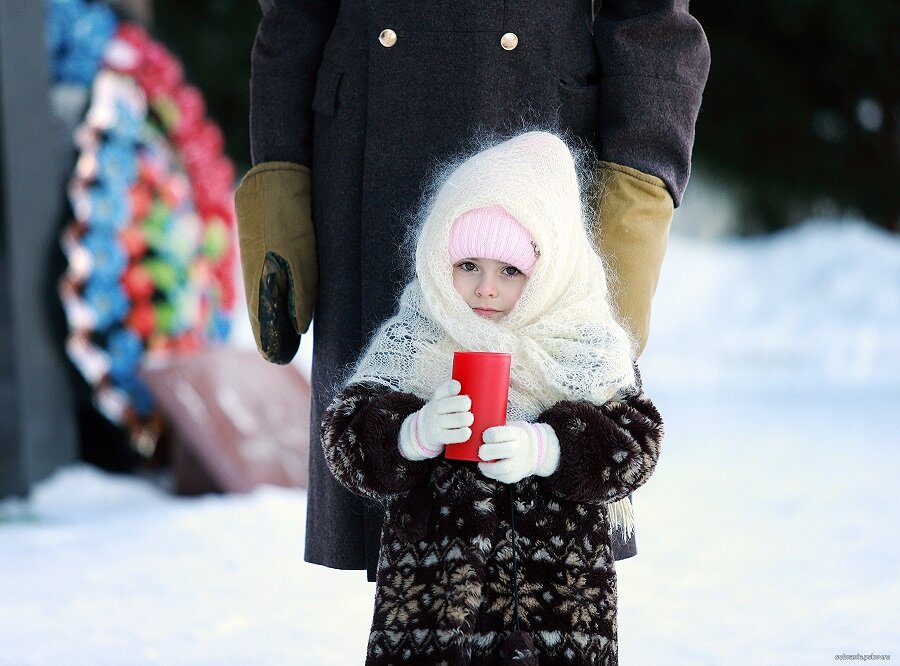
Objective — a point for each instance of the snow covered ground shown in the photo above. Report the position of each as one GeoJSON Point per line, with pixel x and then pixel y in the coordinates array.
{"type": "Point", "coordinates": [768, 534]}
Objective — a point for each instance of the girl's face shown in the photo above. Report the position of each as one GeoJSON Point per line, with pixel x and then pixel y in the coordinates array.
{"type": "Point", "coordinates": [490, 287]}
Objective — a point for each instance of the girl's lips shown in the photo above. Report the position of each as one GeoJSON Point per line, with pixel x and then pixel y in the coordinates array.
{"type": "Point", "coordinates": [486, 311]}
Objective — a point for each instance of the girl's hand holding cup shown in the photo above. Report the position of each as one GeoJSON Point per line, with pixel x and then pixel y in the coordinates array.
{"type": "Point", "coordinates": [445, 419]}
{"type": "Point", "coordinates": [518, 450]}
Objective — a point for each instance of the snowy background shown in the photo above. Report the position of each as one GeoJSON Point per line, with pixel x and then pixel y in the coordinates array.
{"type": "Point", "coordinates": [768, 534]}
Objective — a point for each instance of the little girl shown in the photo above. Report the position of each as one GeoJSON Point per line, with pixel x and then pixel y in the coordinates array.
{"type": "Point", "coordinates": [508, 559]}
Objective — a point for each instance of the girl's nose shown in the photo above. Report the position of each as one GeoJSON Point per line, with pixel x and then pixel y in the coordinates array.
{"type": "Point", "coordinates": [486, 288]}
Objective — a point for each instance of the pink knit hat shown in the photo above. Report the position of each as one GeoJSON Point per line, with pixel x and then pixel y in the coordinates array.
{"type": "Point", "coordinates": [492, 233]}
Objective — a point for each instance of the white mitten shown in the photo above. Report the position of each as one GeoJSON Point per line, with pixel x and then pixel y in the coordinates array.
{"type": "Point", "coordinates": [445, 419]}
{"type": "Point", "coordinates": [519, 449]}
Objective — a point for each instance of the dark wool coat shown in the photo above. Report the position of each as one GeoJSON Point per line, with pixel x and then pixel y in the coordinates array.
{"type": "Point", "coordinates": [372, 120]}
{"type": "Point", "coordinates": [443, 589]}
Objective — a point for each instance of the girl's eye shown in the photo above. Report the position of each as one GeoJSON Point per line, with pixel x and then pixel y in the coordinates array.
{"type": "Point", "coordinates": [468, 266]}
{"type": "Point", "coordinates": [511, 271]}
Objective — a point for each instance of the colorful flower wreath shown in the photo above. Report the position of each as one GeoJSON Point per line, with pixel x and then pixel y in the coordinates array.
{"type": "Point", "coordinates": [151, 248]}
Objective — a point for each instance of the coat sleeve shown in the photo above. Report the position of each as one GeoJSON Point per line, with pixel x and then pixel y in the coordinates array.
{"type": "Point", "coordinates": [284, 62]}
{"type": "Point", "coordinates": [359, 438]}
{"type": "Point", "coordinates": [606, 451]}
{"type": "Point", "coordinates": [654, 61]}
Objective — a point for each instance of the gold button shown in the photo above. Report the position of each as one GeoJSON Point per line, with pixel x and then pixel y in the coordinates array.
{"type": "Point", "coordinates": [387, 38]}
{"type": "Point", "coordinates": [509, 41]}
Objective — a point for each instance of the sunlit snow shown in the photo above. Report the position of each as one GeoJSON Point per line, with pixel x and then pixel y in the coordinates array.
{"type": "Point", "coordinates": [768, 533]}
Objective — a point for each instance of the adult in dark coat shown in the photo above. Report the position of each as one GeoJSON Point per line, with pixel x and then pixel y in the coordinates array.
{"type": "Point", "coordinates": [368, 96]}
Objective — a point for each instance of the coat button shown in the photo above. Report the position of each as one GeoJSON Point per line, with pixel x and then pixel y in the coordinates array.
{"type": "Point", "coordinates": [509, 41]}
{"type": "Point", "coordinates": [387, 38]}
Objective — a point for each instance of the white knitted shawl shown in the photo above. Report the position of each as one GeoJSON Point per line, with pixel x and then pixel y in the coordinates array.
{"type": "Point", "coordinates": [563, 338]}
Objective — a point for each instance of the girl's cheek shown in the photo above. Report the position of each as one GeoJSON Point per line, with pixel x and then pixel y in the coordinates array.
{"type": "Point", "coordinates": [518, 293]}
{"type": "Point", "coordinates": [457, 281]}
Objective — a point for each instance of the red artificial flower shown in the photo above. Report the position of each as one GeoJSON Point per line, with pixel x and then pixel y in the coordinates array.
{"type": "Point", "coordinates": [187, 342]}
{"type": "Point", "coordinates": [134, 34]}
{"type": "Point", "coordinates": [138, 283]}
{"type": "Point", "coordinates": [175, 189]}
{"type": "Point", "coordinates": [142, 319]}
{"type": "Point", "coordinates": [134, 240]}
{"type": "Point", "coordinates": [127, 56]}
{"type": "Point", "coordinates": [227, 290]}
{"type": "Point", "coordinates": [221, 209]}
{"type": "Point", "coordinates": [211, 137]}
{"type": "Point", "coordinates": [214, 185]}
{"type": "Point", "coordinates": [141, 199]}
{"type": "Point", "coordinates": [191, 110]}
{"type": "Point", "coordinates": [161, 73]}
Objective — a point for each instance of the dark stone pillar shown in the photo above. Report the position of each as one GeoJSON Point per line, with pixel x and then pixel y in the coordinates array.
{"type": "Point", "coordinates": [37, 414]}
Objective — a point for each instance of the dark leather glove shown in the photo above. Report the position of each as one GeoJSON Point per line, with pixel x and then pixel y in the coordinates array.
{"type": "Point", "coordinates": [634, 212]}
{"type": "Point", "coordinates": [278, 255]}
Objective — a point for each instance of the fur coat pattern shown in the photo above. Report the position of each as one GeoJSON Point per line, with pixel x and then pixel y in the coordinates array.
{"type": "Point", "coordinates": [444, 592]}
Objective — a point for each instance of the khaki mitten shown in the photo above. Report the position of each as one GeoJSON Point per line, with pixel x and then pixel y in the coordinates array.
{"type": "Point", "coordinates": [278, 255]}
{"type": "Point", "coordinates": [634, 212]}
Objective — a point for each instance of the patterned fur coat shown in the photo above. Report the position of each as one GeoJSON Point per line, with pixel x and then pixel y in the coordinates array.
{"type": "Point", "coordinates": [444, 592]}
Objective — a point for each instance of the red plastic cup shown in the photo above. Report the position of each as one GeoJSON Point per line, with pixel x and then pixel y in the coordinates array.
{"type": "Point", "coordinates": [485, 379]}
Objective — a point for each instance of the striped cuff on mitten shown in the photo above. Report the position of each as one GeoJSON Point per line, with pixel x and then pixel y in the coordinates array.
{"type": "Point", "coordinates": [410, 443]}
{"type": "Point", "coordinates": [547, 449]}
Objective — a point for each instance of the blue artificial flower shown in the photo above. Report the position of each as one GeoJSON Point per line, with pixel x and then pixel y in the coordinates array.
{"type": "Point", "coordinates": [77, 35]}
{"type": "Point", "coordinates": [110, 207]}
{"type": "Point", "coordinates": [108, 301]}
{"type": "Point", "coordinates": [117, 163]}
{"type": "Point", "coordinates": [60, 15]}
{"type": "Point", "coordinates": [219, 327]}
{"type": "Point", "coordinates": [129, 123]}
{"type": "Point", "coordinates": [125, 349]}
{"type": "Point", "coordinates": [77, 68]}
{"type": "Point", "coordinates": [110, 260]}
{"type": "Point", "coordinates": [89, 35]}
{"type": "Point", "coordinates": [141, 398]}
